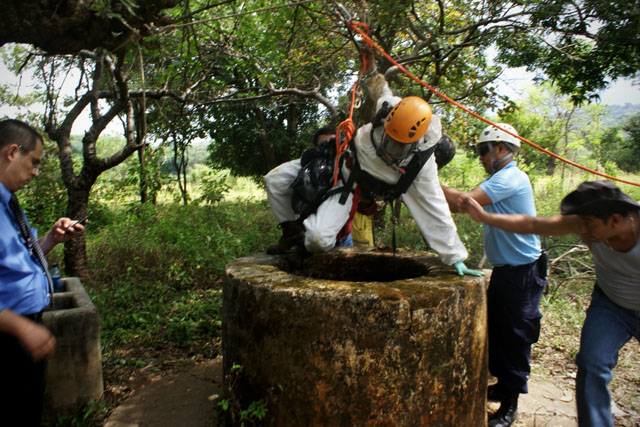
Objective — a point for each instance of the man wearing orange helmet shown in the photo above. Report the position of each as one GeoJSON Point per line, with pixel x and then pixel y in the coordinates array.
{"type": "Point", "coordinates": [519, 270]}
{"type": "Point", "coordinates": [392, 157]}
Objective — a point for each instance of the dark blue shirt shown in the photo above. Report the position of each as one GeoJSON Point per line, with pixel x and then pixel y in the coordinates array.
{"type": "Point", "coordinates": [23, 283]}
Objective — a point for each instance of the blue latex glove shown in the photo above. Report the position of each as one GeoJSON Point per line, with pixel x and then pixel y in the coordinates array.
{"type": "Point", "coordinates": [462, 270]}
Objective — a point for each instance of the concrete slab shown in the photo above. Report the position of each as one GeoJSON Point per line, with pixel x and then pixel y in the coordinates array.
{"type": "Point", "coordinates": [547, 404]}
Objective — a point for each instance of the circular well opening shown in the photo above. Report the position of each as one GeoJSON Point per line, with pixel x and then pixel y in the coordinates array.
{"type": "Point", "coordinates": [357, 267]}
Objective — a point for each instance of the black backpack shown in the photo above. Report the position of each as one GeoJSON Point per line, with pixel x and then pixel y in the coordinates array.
{"type": "Point", "coordinates": [313, 184]}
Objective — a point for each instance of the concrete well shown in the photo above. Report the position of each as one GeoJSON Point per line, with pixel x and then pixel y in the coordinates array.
{"type": "Point", "coordinates": [74, 372]}
{"type": "Point", "coordinates": [355, 337]}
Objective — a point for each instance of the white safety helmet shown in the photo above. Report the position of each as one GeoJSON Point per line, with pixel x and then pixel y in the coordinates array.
{"type": "Point", "coordinates": [493, 134]}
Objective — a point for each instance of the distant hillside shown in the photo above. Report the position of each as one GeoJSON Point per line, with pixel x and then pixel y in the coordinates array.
{"type": "Point", "coordinates": [619, 114]}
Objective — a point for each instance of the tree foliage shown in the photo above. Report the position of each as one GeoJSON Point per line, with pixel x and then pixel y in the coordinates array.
{"type": "Point", "coordinates": [551, 120]}
{"type": "Point", "coordinates": [621, 145]}
{"type": "Point", "coordinates": [580, 45]}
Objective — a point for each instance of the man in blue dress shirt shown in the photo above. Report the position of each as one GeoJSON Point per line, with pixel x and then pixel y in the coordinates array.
{"type": "Point", "coordinates": [25, 344]}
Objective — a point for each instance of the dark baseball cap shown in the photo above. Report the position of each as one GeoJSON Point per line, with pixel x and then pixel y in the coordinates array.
{"type": "Point", "coordinates": [597, 198]}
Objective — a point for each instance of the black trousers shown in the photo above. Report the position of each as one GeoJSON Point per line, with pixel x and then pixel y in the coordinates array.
{"type": "Point", "coordinates": [513, 301]}
{"type": "Point", "coordinates": [21, 385]}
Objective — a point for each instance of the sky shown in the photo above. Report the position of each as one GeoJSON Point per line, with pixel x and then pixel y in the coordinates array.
{"type": "Point", "coordinates": [515, 81]}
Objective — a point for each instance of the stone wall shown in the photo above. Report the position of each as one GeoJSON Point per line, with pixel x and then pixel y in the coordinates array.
{"type": "Point", "coordinates": [355, 337]}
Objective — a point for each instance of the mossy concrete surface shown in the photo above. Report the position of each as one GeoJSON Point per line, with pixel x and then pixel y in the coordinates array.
{"type": "Point", "coordinates": [74, 372]}
{"type": "Point", "coordinates": [355, 337]}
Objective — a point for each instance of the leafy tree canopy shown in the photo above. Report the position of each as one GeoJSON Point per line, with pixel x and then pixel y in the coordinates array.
{"type": "Point", "coordinates": [580, 45]}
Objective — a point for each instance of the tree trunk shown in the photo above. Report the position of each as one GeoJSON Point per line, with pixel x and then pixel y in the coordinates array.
{"type": "Point", "coordinates": [551, 161]}
{"type": "Point", "coordinates": [180, 162]}
{"type": "Point", "coordinates": [73, 25]}
{"type": "Point", "coordinates": [551, 165]}
{"type": "Point", "coordinates": [141, 132]}
{"type": "Point", "coordinates": [75, 253]}
{"type": "Point", "coordinates": [143, 177]}
{"type": "Point", "coordinates": [292, 127]}
{"type": "Point", "coordinates": [265, 143]}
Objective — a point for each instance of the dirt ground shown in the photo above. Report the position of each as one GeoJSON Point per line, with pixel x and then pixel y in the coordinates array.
{"type": "Point", "coordinates": [185, 399]}
{"type": "Point", "coordinates": [189, 398]}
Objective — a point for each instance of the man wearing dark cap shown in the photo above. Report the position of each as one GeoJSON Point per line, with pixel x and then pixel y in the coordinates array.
{"type": "Point", "coordinates": [607, 220]}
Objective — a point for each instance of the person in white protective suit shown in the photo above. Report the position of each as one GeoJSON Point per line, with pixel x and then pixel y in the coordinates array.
{"type": "Point", "coordinates": [382, 153]}
{"type": "Point", "coordinates": [279, 192]}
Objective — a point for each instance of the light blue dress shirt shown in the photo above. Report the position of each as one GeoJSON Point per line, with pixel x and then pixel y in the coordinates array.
{"type": "Point", "coordinates": [23, 283]}
{"type": "Point", "coordinates": [510, 192]}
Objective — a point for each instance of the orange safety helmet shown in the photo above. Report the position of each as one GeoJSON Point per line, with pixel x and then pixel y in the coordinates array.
{"type": "Point", "coordinates": [409, 120]}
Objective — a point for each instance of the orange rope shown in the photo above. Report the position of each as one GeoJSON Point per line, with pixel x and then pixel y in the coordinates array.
{"type": "Point", "coordinates": [347, 127]}
{"type": "Point", "coordinates": [365, 37]}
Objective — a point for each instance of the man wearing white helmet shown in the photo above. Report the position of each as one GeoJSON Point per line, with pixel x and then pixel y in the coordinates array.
{"type": "Point", "coordinates": [519, 269]}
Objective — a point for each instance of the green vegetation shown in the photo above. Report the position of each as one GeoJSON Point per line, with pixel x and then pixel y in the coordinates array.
{"type": "Point", "coordinates": [155, 272]}
{"type": "Point", "coordinates": [231, 408]}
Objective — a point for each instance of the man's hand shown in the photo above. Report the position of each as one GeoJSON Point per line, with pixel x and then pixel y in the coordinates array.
{"type": "Point", "coordinates": [37, 340]}
{"type": "Point", "coordinates": [462, 269]}
{"type": "Point", "coordinates": [469, 205]}
{"type": "Point", "coordinates": [33, 337]}
{"type": "Point", "coordinates": [63, 230]}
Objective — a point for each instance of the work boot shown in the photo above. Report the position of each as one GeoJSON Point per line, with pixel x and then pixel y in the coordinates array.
{"type": "Point", "coordinates": [506, 415]}
{"type": "Point", "coordinates": [495, 393]}
{"type": "Point", "coordinates": [292, 235]}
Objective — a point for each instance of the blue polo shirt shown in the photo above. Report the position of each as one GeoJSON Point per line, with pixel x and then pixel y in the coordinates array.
{"type": "Point", "coordinates": [23, 283]}
{"type": "Point", "coordinates": [510, 192]}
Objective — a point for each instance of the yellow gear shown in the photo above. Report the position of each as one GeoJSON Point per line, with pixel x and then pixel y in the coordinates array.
{"type": "Point", "coordinates": [409, 120]}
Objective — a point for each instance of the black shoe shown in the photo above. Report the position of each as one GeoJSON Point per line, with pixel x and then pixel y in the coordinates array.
{"type": "Point", "coordinates": [292, 235]}
{"type": "Point", "coordinates": [506, 415]}
{"type": "Point", "coordinates": [495, 394]}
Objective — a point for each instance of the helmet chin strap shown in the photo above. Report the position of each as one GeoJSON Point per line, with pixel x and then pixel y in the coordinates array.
{"type": "Point", "coordinates": [497, 163]}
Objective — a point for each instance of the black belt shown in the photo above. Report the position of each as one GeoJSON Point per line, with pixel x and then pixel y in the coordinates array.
{"type": "Point", "coordinates": [36, 317]}
{"type": "Point", "coordinates": [513, 267]}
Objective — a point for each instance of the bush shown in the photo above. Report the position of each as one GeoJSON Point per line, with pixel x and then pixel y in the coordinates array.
{"type": "Point", "coordinates": [213, 187]}
{"type": "Point", "coordinates": [45, 198]}
{"type": "Point", "coordinates": [155, 272]}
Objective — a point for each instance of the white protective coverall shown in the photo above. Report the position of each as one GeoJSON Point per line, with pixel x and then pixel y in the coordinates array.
{"type": "Point", "coordinates": [424, 197]}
